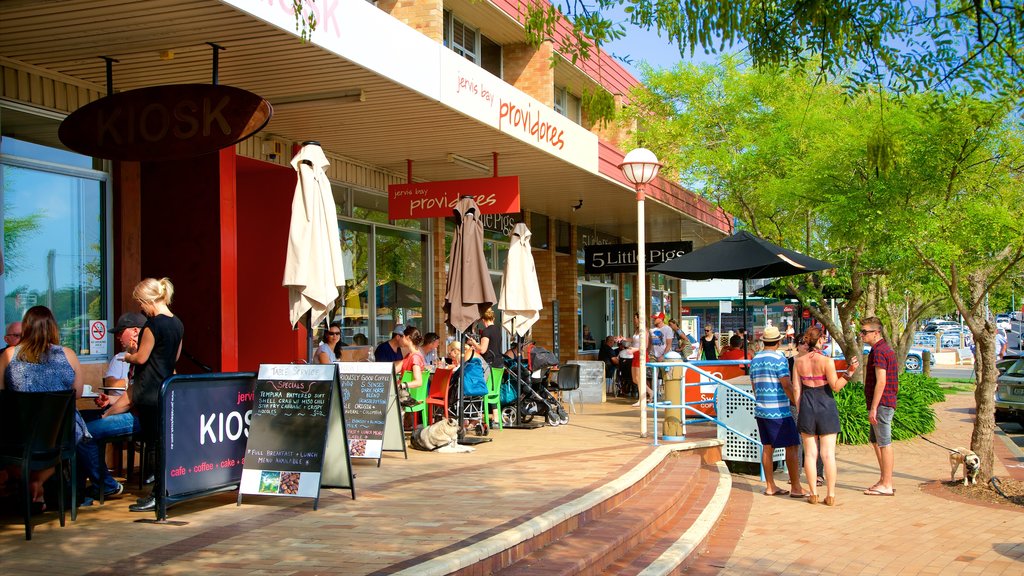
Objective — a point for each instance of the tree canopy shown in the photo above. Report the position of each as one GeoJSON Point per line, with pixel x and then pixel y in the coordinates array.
{"type": "Point", "coordinates": [903, 46]}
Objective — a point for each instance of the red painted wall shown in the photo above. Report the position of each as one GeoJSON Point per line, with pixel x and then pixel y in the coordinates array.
{"type": "Point", "coordinates": [264, 201]}
{"type": "Point", "coordinates": [181, 240]}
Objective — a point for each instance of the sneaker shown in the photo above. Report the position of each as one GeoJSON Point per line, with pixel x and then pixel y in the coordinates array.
{"type": "Point", "coordinates": [114, 491]}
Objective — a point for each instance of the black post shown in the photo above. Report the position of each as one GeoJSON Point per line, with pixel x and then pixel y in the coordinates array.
{"type": "Point", "coordinates": [745, 318]}
{"type": "Point", "coordinates": [110, 74]}
{"type": "Point", "coordinates": [216, 60]}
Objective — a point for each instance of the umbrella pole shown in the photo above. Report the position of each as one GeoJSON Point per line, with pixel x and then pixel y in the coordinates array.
{"type": "Point", "coordinates": [309, 337]}
{"type": "Point", "coordinates": [744, 317]}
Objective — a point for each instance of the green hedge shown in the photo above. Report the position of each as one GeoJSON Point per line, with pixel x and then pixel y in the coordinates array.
{"type": "Point", "coordinates": [914, 414]}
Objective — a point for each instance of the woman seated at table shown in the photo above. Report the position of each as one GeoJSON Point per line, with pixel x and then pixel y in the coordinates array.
{"type": "Point", "coordinates": [413, 361]}
{"type": "Point", "coordinates": [40, 364]}
{"type": "Point", "coordinates": [328, 340]}
{"type": "Point", "coordinates": [454, 356]}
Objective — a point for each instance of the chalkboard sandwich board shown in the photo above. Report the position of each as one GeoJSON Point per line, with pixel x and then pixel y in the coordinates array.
{"type": "Point", "coordinates": [293, 413]}
{"type": "Point", "coordinates": [372, 415]}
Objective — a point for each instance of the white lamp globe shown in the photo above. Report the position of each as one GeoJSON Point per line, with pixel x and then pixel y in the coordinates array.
{"type": "Point", "coordinates": [640, 166]}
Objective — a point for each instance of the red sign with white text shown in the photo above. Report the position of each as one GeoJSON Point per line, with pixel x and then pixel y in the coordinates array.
{"type": "Point", "coordinates": [437, 199]}
{"type": "Point", "coordinates": [806, 314]}
{"type": "Point", "coordinates": [787, 309]}
{"type": "Point", "coordinates": [684, 309]}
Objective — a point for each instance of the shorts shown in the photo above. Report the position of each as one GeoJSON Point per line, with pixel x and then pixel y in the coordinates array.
{"type": "Point", "coordinates": [881, 433]}
{"type": "Point", "coordinates": [778, 432]}
{"type": "Point", "coordinates": [818, 414]}
{"type": "Point", "coordinates": [636, 359]}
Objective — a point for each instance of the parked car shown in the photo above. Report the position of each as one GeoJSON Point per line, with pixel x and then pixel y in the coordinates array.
{"type": "Point", "coordinates": [1004, 317]}
{"type": "Point", "coordinates": [943, 326]}
{"type": "Point", "coordinates": [914, 361]}
{"type": "Point", "coordinates": [1010, 392]}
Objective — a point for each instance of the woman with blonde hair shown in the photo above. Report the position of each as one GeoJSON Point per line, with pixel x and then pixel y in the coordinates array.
{"type": "Point", "coordinates": [814, 383]}
{"type": "Point", "coordinates": [40, 364]}
{"type": "Point", "coordinates": [154, 361]}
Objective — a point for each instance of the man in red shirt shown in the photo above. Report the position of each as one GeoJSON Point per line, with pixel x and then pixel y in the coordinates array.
{"type": "Point", "coordinates": [881, 385]}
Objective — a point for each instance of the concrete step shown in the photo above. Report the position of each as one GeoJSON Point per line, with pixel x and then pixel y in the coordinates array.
{"type": "Point", "coordinates": [600, 541]}
{"type": "Point", "coordinates": [686, 513]}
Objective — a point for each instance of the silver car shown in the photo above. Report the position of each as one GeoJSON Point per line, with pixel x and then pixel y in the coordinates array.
{"type": "Point", "coordinates": [1010, 393]}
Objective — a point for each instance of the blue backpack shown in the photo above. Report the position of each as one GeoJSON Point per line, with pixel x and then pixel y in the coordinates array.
{"type": "Point", "coordinates": [474, 383]}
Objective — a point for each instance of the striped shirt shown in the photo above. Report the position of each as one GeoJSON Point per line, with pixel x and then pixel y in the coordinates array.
{"type": "Point", "coordinates": [882, 356]}
{"type": "Point", "coordinates": [766, 371]}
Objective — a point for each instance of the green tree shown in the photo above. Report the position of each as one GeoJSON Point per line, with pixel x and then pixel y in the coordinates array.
{"type": "Point", "coordinates": [904, 45]}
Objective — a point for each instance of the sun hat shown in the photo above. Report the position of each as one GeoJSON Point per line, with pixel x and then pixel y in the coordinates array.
{"type": "Point", "coordinates": [771, 334]}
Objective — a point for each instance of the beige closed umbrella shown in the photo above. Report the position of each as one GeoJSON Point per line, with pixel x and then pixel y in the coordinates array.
{"type": "Point", "coordinates": [520, 298]}
{"type": "Point", "coordinates": [468, 293]}
{"type": "Point", "coordinates": [314, 269]}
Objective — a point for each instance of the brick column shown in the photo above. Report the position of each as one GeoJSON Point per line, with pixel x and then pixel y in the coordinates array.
{"type": "Point", "coordinates": [529, 69]}
{"type": "Point", "coordinates": [425, 16]}
{"type": "Point", "coordinates": [439, 278]}
{"type": "Point", "coordinates": [547, 280]}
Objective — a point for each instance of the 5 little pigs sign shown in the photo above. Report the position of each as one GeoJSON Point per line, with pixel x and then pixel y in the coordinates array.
{"type": "Point", "coordinates": [165, 122]}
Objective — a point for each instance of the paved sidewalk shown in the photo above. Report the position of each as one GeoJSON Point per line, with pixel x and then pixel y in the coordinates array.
{"type": "Point", "coordinates": [916, 532]}
{"type": "Point", "coordinates": [405, 511]}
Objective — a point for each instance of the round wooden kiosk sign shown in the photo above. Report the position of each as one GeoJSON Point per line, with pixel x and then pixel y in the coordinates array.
{"type": "Point", "coordinates": [165, 122]}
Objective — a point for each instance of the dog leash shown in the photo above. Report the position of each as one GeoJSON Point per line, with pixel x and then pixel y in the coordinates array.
{"type": "Point", "coordinates": [922, 436]}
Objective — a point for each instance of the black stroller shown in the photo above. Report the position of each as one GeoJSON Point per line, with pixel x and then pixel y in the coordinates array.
{"type": "Point", "coordinates": [535, 398]}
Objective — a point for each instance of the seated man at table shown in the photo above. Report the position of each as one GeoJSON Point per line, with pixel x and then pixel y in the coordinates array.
{"type": "Point", "coordinates": [109, 425]}
{"type": "Point", "coordinates": [391, 350]}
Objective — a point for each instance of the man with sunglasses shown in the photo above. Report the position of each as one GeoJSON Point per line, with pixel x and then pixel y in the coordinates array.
{"type": "Point", "coordinates": [881, 385]}
{"type": "Point", "coordinates": [12, 336]}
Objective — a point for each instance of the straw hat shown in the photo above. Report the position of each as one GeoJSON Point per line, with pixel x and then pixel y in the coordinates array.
{"type": "Point", "coordinates": [771, 334]}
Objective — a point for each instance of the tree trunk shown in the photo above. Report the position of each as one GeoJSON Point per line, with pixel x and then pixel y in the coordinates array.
{"type": "Point", "coordinates": [984, 397]}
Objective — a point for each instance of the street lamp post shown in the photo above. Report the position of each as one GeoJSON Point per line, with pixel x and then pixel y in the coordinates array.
{"type": "Point", "coordinates": [639, 167]}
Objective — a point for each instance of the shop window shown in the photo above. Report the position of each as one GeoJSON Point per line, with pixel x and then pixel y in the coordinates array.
{"type": "Point", "coordinates": [385, 272]}
{"type": "Point", "coordinates": [596, 315]}
{"type": "Point", "coordinates": [54, 226]}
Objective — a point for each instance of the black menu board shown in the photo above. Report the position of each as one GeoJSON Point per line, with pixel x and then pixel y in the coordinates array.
{"type": "Point", "coordinates": [372, 414]}
{"type": "Point", "coordinates": [288, 434]}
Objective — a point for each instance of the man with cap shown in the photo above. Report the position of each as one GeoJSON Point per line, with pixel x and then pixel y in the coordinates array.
{"type": "Point", "coordinates": [391, 350]}
{"type": "Point", "coordinates": [111, 424]}
{"type": "Point", "coordinates": [773, 389]}
{"type": "Point", "coordinates": [661, 338]}
{"type": "Point", "coordinates": [127, 332]}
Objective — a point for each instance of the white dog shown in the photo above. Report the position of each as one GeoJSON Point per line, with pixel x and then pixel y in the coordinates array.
{"type": "Point", "coordinates": [971, 462]}
{"type": "Point", "coordinates": [438, 435]}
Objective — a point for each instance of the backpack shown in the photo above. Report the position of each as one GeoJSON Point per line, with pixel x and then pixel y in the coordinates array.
{"type": "Point", "coordinates": [474, 381]}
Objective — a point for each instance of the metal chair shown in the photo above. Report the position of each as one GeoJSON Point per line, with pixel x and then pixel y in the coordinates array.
{"type": "Point", "coordinates": [37, 431]}
{"type": "Point", "coordinates": [569, 381]}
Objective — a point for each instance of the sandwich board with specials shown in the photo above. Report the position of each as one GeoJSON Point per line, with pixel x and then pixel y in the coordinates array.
{"type": "Point", "coordinates": [297, 435]}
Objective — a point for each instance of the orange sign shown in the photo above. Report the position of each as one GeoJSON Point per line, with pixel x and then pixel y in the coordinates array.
{"type": "Point", "coordinates": [165, 122]}
{"type": "Point", "coordinates": [437, 199]}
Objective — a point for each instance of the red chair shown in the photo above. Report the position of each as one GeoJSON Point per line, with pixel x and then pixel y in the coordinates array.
{"type": "Point", "coordinates": [437, 394]}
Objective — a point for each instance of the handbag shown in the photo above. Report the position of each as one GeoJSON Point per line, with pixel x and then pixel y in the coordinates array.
{"type": "Point", "coordinates": [507, 394]}
{"type": "Point", "coordinates": [405, 399]}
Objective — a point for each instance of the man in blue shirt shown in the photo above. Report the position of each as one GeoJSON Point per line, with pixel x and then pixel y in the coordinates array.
{"type": "Point", "coordinates": [769, 377]}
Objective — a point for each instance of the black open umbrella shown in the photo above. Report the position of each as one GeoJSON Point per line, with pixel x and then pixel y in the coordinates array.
{"type": "Point", "coordinates": [741, 256]}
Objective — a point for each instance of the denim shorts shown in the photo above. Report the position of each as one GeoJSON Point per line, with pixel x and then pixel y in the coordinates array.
{"type": "Point", "coordinates": [881, 433]}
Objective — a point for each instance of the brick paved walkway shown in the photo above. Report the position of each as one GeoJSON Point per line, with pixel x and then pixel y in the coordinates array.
{"type": "Point", "coordinates": [919, 531]}
{"type": "Point", "coordinates": [405, 511]}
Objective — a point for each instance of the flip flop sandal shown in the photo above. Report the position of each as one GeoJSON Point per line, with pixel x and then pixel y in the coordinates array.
{"type": "Point", "coordinates": [776, 493]}
{"type": "Point", "coordinates": [874, 492]}
{"type": "Point", "coordinates": [804, 495]}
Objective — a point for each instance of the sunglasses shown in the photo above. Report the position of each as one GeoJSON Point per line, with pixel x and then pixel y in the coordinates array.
{"type": "Point", "coordinates": [864, 332]}
{"type": "Point", "coordinates": [334, 333]}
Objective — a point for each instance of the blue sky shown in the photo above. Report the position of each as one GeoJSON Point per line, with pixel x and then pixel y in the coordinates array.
{"type": "Point", "coordinates": [647, 46]}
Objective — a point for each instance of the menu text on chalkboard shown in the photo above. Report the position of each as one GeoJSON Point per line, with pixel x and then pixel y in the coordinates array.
{"type": "Point", "coordinates": [368, 397]}
{"type": "Point", "coordinates": [288, 432]}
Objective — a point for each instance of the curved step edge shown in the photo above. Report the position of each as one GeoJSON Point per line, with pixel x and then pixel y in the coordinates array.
{"type": "Point", "coordinates": [698, 532]}
{"type": "Point", "coordinates": [465, 557]}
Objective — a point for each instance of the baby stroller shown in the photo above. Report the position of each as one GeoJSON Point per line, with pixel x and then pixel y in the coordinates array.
{"type": "Point", "coordinates": [535, 397]}
{"type": "Point", "coordinates": [471, 378]}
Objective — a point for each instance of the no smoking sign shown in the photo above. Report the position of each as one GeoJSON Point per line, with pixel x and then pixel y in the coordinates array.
{"type": "Point", "coordinates": [97, 337]}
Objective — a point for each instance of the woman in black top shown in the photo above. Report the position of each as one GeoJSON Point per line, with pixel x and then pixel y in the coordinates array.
{"type": "Point", "coordinates": [159, 348]}
{"type": "Point", "coordinates": [489, 348]}
{"type": "Point", "coordinates": [709, 344]}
